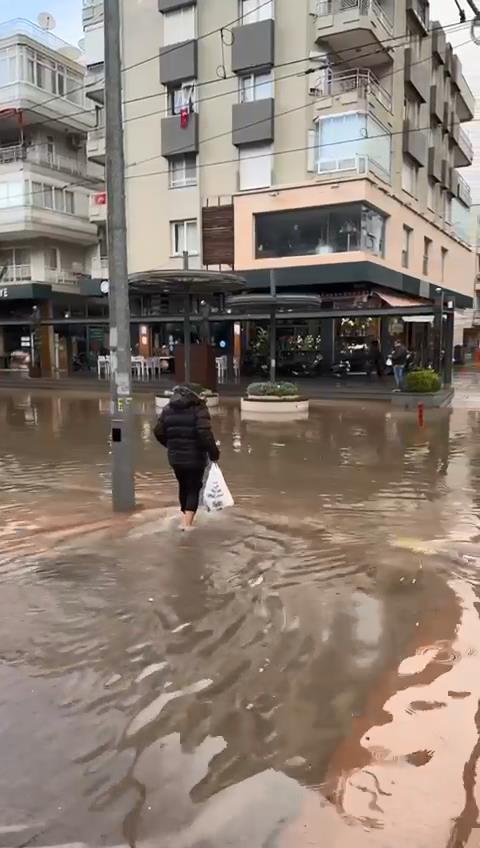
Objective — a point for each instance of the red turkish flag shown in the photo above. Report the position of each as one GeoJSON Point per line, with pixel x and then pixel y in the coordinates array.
{"type": "Point", "coordinates": [184, 112]}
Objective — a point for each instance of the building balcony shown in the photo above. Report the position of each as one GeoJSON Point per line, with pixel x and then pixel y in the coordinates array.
{"type": "Point", "coordinates": [97, 208]}
{"type": "Point", "coordinates": [95, 83]}
{"type": "Point", "coordinates": [348, 168]}
{"type": "Point", "coordinates": [179, 62]}
{"type": "Point", "coordinates": [358, 87]}
{"type": "Point", "coordinates": [352, 25]}
{"type": "Point", "coordinates": [175, 139]}
{"type": "Point", "coordinates": [20, 222]}
{"type": "Point", "coordinates": [464, 192]}
{"type": "Point", "coordinates": [60, 278]}
{"type": "Point", "coordinates": [415, 143]}
{"type": "Point", "coordinates": [253, 122]}
{"type": "Point", "coordinates": [417, 75]}
{"type": "Point", "coordinates": [12, 154]}
{"type": "Point", "coordinates": [99, 268]}
{"type": "Point", "coordinates": [437, 103]}
{"type": "Point", "coordinates": [454, 182]}
{"type": "Point", "coordinates": [476, 317]}
{"type": "Point", "coordinates": [92, 12]}
{"type": "Point", "coordinates": [17, 274]}
{"type": "Point", "coordinates": [463, 147]}
{"type": "Point", "coordinates": [96, 145]}
{"type": "Point", "coordinates": [419, 11]}
{"type": "Point", "coordinates": [253, 46]}
{"type": "Point", "coordinates": [465, 105]}
{"type": "Point", "coordinates": [37, 105]}
{"type": "Point", "coordinates": [435, 163]}
{"type": "Point", "coordinates": [439, 42]}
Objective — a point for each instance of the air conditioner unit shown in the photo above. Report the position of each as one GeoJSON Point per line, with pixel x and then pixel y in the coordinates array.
{"type": "Point", "coordinates": [75, 142]}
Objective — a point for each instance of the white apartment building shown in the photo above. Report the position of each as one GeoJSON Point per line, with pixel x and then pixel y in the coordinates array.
{"type": "Point", "coordinates": [46, 235]}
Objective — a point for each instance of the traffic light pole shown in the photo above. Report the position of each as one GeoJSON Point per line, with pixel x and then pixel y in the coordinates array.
{"type": "Point", "coordinates": [123, 473]}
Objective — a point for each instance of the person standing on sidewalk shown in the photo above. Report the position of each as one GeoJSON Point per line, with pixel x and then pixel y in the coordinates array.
{"type": "Point", "coordinates": [399, 361]}
{"type": "Point", "coordinates": [185, 429]}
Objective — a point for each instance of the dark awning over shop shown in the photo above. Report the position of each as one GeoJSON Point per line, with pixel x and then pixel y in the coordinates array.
{"type": "Point", "coordinates": [25, 291]}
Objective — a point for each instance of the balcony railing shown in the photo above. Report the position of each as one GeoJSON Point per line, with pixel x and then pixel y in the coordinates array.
{"type": "Point", "coordinates": [465, 143]}
{"type": "Point", "coordinates": [333, 83]}
{"type": "Point", "coordinates": [17, 274]}
{"type": "Point", "coordinates": [321, 8]}
{"type": "Point", "coordinates": [60, 277]}
{"type": "Point", "coordinates": [464, 190]}
{"type": "Point", "coordinates": [360, 165]}
{"type": "Point", "coordinates": [12, 153]}
{"type": "Point", "coordinates": [20, 26]}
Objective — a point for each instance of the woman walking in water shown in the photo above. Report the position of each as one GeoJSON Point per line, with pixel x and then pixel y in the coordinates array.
{"type": "Point", "coordinates": [185, 429]}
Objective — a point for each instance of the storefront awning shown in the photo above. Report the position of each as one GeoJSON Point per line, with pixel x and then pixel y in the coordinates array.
{"type": "Point", "coordinates": [418, 319]}
{"type": "Point", "coordinates": [399, 300]}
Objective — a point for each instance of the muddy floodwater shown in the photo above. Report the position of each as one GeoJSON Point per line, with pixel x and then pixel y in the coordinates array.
{"type": "Point", "coordinates": [303, 670]}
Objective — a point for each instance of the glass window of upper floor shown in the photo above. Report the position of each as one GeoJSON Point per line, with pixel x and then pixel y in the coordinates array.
{"type": "Point", "coordinates": [22, 64]}
{"type": "Point", "coordinates": [257, 86]}
{"type": "Point", "coordinates": [179, 25]}
{"type": "Point", "coordinates": [350, 141]}
{"type": "Point", "coordinates": [256, 10]}
{"type": "Point", "coordinates": [320, 230]}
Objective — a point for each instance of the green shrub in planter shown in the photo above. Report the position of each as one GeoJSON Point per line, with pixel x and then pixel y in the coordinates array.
{"type": "Point", "coordinates": [195, 387]}
{"type": "Point", "coordinates": [272, 389]}
{"type": "Point", "coordinates": [422, 382]}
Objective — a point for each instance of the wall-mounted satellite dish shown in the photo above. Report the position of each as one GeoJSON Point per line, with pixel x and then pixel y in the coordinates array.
{"type": "Point", "coordinates": [46, 21]}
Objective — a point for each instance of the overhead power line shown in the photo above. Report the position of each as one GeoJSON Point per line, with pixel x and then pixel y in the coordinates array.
{"type": "Point", "coordinates": [181, 150]}
{"type": "Point", "coordinates": [456, 27]}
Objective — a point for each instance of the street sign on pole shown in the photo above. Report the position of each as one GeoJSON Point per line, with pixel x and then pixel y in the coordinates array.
{"type": "Point", "coordinates": [123, 473]}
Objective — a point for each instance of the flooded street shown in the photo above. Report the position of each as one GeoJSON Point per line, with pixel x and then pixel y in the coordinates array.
{"type": "Point", "coordinates": [301, 671]}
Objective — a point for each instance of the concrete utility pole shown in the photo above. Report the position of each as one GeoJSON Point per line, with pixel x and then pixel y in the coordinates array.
{"type": "Point", "coordinates": [187, 335]}
{"type": "Point", "coordinates": [123, 473]}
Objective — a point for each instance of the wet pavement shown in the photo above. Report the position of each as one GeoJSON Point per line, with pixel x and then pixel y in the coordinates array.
{"type": "Point", "coordinates": [301, 671]}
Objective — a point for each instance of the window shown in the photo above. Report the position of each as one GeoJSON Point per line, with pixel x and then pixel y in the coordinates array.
{"type": "Point", "coordinates": [184, 238]}
{"type": "Point", "coordinates": [183, 171]}
{"type": "Point", "coordinates": [431, 201]}
{"type": "Point", "coordinates": [410, 176]}
{"type": "Point", "coordinates": [256, 166]}
{"type": "Point", "coordinates": [256, 10]}
{"type": "Point", "coordinates": [319, 231]}
{"type": "Point", "coordinates": [183, 95]}
{"type": "Point", "coordinates": [407, 237]}
{"type": "Point", "coordinates": [70, 202]}
{"type": "Point", "coordinates": [48, 196]}
{"type": "Point", "coordinates": [443, 259]}
{"type": "Point", "coordinates": [179, 25]}
{"type": "Point", "coordinates": [51, 258]}
{"type": "Point", "coordinates": [346, 141]}
{"type": "Point", "coordinates": [8, 65]}
{"type": "Point", "coordinates": [427, 243]}
{"type": "Point", "coordinates": [12, 194]}
{"type": "Point", "coordinates": [256, 87]}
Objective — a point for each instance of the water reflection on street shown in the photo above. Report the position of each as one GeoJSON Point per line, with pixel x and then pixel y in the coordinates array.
{"type": "Point", "coordinates": [301, 671]}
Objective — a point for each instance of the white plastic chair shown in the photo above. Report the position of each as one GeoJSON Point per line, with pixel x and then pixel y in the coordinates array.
{"type": "Point", "coordinates": [138, 367]}
{"type": "Point", "coordinates": [221, 363]}
{"type": "Point", "coordinates": [103, 367]}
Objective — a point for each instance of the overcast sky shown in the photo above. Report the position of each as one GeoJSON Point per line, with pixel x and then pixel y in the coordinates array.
{"type": "Point", "coordinates": [68, 14]}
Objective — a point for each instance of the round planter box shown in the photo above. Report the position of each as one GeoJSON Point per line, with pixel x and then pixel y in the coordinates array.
{"type": "Point", "coordinates": [213, 401]}
{"type": "Point", "coordinates": [275, 407]}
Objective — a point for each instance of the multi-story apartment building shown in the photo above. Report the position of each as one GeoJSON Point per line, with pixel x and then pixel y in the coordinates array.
{"type": "Point", "coordinates": [46, 236]}
{"type": "Point", "coordinates": [321, 139]}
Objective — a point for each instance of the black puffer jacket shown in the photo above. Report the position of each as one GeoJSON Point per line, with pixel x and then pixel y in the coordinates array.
{"type": "Point", "coordinates": [185, 429]}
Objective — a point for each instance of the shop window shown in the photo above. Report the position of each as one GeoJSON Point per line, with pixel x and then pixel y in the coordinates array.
{"type": "Point", "coordinates": [318, 231]}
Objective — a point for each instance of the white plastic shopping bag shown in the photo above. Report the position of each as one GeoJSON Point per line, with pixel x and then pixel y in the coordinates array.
{"type": "Point", "coordinates": [216, 494]}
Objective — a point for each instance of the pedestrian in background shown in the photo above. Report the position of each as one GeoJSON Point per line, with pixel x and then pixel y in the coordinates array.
{"type": "Point", "coordinates": [185, 429]}
{"type": "Point", "coordinates": [399, 361]}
